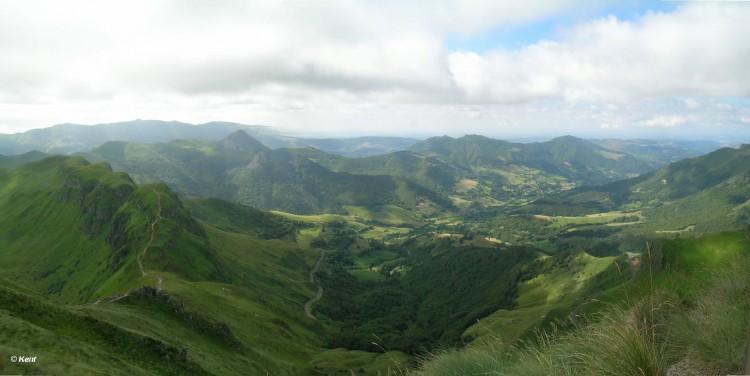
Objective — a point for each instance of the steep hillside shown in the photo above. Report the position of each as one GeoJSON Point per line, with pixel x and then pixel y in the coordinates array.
{"type": "Point", "coordinates": [46, 197]}
{"type": "Point", "coordinates": [143, 275]}
{"type": "Point", "coordinates": [649, 326]}
{"type": "Point", "coordinates": [240, 169]}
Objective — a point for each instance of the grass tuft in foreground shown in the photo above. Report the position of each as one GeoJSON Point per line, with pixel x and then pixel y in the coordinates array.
{"type": "Point", "coordinates": [660, 326]}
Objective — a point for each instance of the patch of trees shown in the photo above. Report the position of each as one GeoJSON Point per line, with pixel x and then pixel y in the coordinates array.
{"type": "Point", "coordinates": [443, 293]}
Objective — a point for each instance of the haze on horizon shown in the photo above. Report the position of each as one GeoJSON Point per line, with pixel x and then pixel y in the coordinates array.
{"type": "Point", "coordinates": [604, 69]}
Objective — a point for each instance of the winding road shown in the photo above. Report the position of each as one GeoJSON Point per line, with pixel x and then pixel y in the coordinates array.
{"type": "Point", "coordinates": [309, 303]}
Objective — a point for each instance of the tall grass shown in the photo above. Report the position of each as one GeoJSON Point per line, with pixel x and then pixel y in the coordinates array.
{"type": "Point", "coordinates": [702, 327]}
{"type": "Point", "coordinates": [712, 330]}
{"type": "Point", "coordinates": [621, 342]}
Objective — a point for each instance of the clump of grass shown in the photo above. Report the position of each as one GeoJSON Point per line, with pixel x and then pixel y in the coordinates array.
{"type": "Point", "coordinates": [488, 359]}
{"type": "Point", "coordinates": [692, 317]}
{"type": "Point", "coordinates": [621, 342]}
{"type": "Point", "coordinates": [624, 342]}
{"type": "Point", "coordinates": [711, 332]}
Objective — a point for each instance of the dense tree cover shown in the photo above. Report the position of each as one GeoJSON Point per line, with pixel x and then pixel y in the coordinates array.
{"type": "Point", "coordinates": [446, 289]}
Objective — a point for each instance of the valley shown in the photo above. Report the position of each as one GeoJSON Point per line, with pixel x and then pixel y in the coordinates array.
{"type": "Point", "coordinates": [239, 254]}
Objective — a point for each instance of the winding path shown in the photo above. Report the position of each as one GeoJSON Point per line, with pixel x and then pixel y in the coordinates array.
{"type": "Point", "coordinates": [159, 280]}
{"type": "Point", "coordinates": [309, 303]}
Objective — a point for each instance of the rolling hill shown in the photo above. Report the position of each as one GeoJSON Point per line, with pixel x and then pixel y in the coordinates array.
{"type": "Point", "coordinates": [568, 157]}
{"type": "Point", "coordinates": [203, 286]}
{"type": "Point", "coordinates": [706, 193]}
{"type": "Point", "coordinates": [429, 172]}
{"type": "Point", "coordinates": [241, 169]}
{"type": "Point", "coordinates": [188, 285]}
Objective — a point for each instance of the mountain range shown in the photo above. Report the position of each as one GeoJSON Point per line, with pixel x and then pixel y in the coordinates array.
{"type": "Point", "coordinates": [74, 138]}
{"type": "Point", "coordinates": [159, 257]}
{"type": "Point", "coordinates": [440, 172]}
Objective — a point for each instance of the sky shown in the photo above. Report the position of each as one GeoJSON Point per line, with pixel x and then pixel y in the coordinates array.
{"type": "Point", "coordinates": [505, 69]}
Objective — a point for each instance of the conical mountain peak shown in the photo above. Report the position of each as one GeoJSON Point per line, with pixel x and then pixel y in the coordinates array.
{"type": "Point", "coordinates": [240, 141]}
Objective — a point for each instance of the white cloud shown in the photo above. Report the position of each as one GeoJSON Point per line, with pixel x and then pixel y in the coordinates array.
{"type": "Point", "coordinates": [692, 103]}
{"type": "Point", "coordinates": [724, 106]}
{"type": "Point", "coordinates": [699, 49]}
{"type": "Point", "coordinates": [667, 121]}
{"type": "Point", "coordinates": [376, 65]}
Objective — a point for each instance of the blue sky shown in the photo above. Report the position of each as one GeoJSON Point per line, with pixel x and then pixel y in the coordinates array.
{"type": "Point", "coordinates": [513, 37]}
{"type": "Point", "coordinates": [355, 67]}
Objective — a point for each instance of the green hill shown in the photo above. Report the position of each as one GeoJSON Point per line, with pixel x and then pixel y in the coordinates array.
{"type": "Point", "coordinates": [707, 193]}
{"type": "Point", "coordinates": [10, 161]}
{"type": "Point", "coordinates": [477, 172]}
{"type": "Point", "coordinates": [425, 171]}
{"type": "Point", "coordinates": [569, 157]}
{"type": "Point", "coordinates": [142, 279]}
{"type": "Point", "coordinates": [684, 313]}
{"type": "Point", "coordinates": [240, 169]}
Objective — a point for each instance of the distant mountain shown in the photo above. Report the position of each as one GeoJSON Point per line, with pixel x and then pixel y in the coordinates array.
{"type": "Point", "coordinates": [240, 169]}
{"type": "Point", "coordinates": [17, 160]}
{"type": "Point", "coordinates": [659, 152]}
{"type": "Point", "coordinates": [72, 138]}
{"type": "Point", "coordinates": [427, 171]}
{"type": "Point", "coordinates": [711, 192]}
{"type": "Point", "coordinates": [476, 171]}
{"type": "Point", "coordinates": [350, 147]}
{"type": "Point", "coordinates": [569, 157]}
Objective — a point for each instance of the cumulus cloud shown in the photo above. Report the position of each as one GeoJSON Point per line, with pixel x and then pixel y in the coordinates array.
{"type": "Point", "coordinates": [382, 65]}
{"type": "Point", "coordinates": [696, 50]}
{"type": "Point", "coordinates": [670, 121]}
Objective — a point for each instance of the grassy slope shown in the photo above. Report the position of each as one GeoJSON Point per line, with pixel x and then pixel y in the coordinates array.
{"type": "Point", "coordinates": [233, 300]}
{"type": "Point", "coordinates": [687, 286]}
{"type": "Point", "coordinates": [567, 281]}
{"type": "Point", "coordinates": [48, 197]}
{"type": "Point", "coordinates": [67, 341]}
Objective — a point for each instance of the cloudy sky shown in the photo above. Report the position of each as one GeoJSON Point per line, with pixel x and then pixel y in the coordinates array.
{"type": "Point", "coordinates": [593, 68]}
